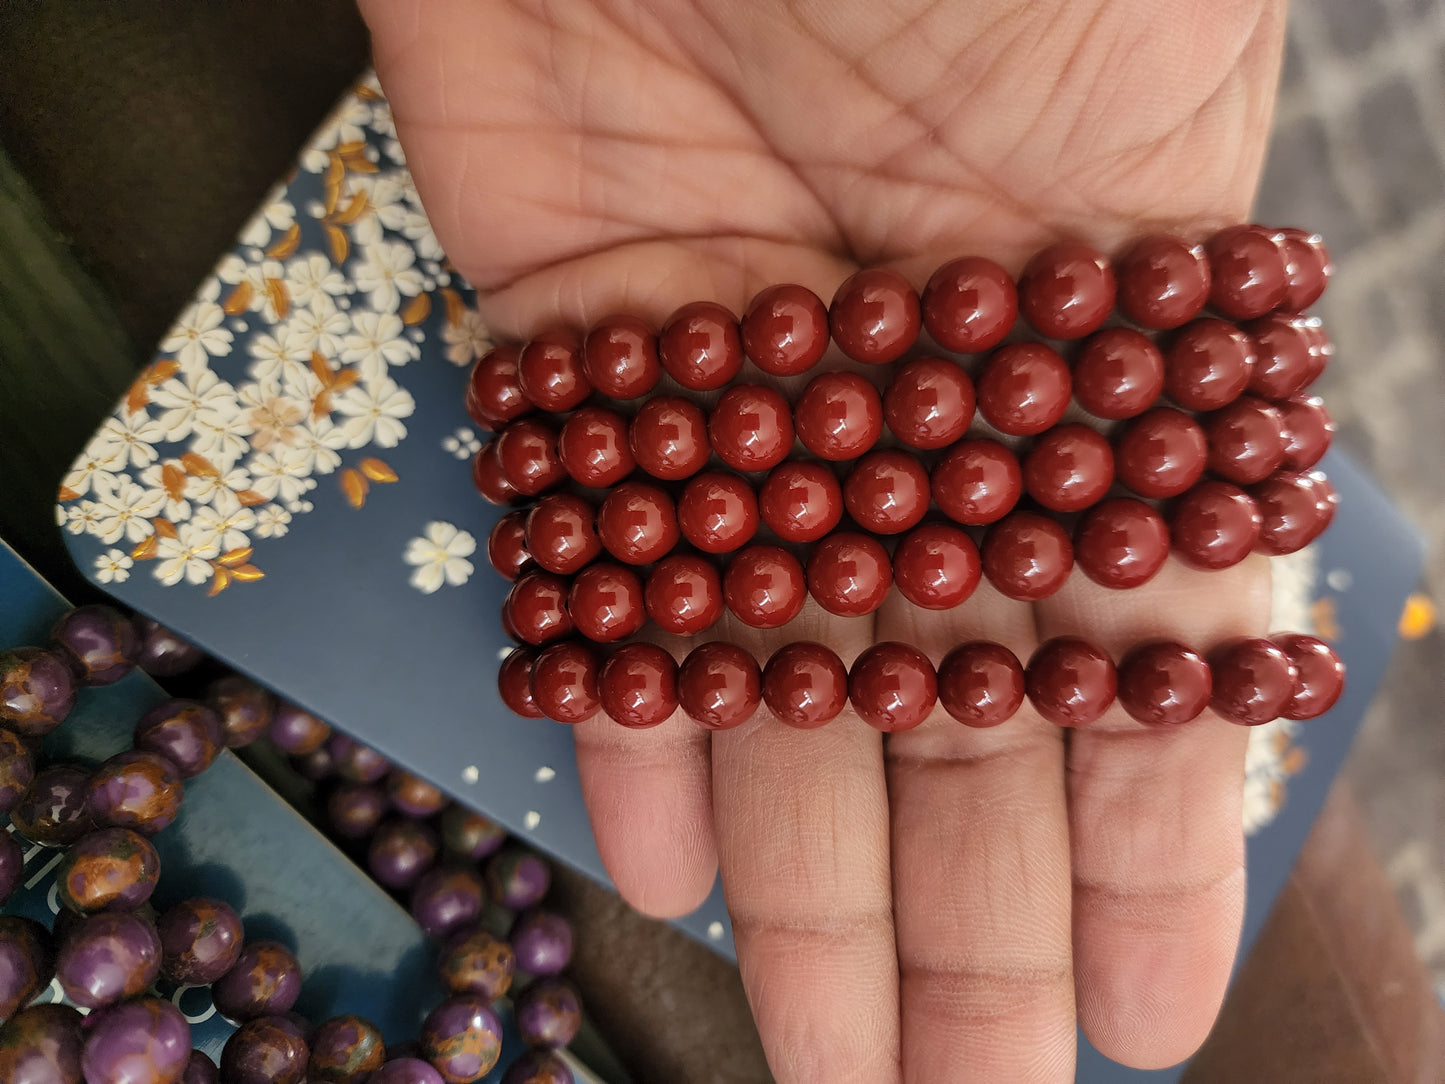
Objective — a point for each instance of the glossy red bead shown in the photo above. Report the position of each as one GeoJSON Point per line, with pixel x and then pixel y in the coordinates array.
{"type": "Point", "coordinates": [936, 566]}
{"type": "Point", "coordinates": [507, 545]}
{"type": "Point", "coordinates": [514, 683]}
{"type": "Point", "coordinates": [1308, 430]}
{"type": "Point", "coordinates": [1118, 373]}
{"type": "Point", "coordinates": [981, 684]}
{"type": "Point", "coordinates": [1247, 272]}
{"type": "Point", "coordinates": [549, 371]}
{"type": "Point", "coordinates": [564, 682]}
{"type": "Point", "coordinates": [718, 512]}
{"type": "Point", "coordinates": [606, 602]}
{"type": "Point", "coordinates": [1290, 358]}
{"type": "Point", "coordinates": [1164, 683]}
{"type": "Point", "coordinates": [785, 330]}
{"type": "Point", "coordinates": [1326, 499]}
{"type": "Point", "coordinates": [1246, 440]}
{"type": "Point", "coordinates": [1319, 675]}
{"type": "Point", "coordinates": [1070, 682]}
{"type": "Point", "coordinates": [561, 535]}
{"type": "Point", "coordinates": [593, 448]}
{"type": "Point", "coordinates": [494, 395]}
{"type": "Point", "coordinates": [970, 305]}
{"type": "Point", "coordinates": [1208, 365]}
{"type": "Point", "coordinates": [1066, 290]}
{"type": "Point", "coordinates": [527, 452]}
{"type": "Point", "coordinates": [874, 317]}
{"type": "Point", "coordinates": [1214, 525]}
{"type": "Point", "coordinates": [1163, 281]}
{"type": "Point", "coordinates": [684, 594]}
{"type": "Point", "coordinates": [668, 438]}
{"type": "Point", "coordinates": [638, 686]}
{"type": "Point", "coordinates": [929, 403]}
{"type": "Point", "coordinates": [1307, 267]}
{"type": "Point", "coordinates": [1292, 514]}
{"type": "Point", "coordinates": [637, 523]}
{"type": "Point", "coordinates": [800, 501]}
{"type": "Point", "coordinates": [1069, 468]}
{"type": "Point", "coordinates": [1024, 388]}
{"type": "Point", "coordinates": [887, 491]}
{"type": "Point", "coordinates": [751, 427]}
{"type": "Point", "coordinates": [764, 586]}
{"type": "Point", "coordinates": [719, 686]}
{"type": "Point", "coordinates": [892, 686]}
{"type": "Point", "coordinates": [977, 482]}
{"type": "Point", "coordinates": [849, 574]}
{"type": "Point", "coordinates": [1026, 556]}
{"type": "Point", "coordinates": [1160, 453]}
{"type": "Point", "coordinates": [838, 416]}
{"type": "Point", "coordinates": [537, 607]}
{"type": "Point", "coordinates": [805, 685]}
{"type": "Point", "coordinates": [487, 476]}
{"type": "Point", "coordinates": [1121, 543]}
{"type": "Point", "coordinates": [1253, 680]}
{"type": "Point", "coordinates": [699, 346]}
{"type": "Point", "coordinates": [619, 357]}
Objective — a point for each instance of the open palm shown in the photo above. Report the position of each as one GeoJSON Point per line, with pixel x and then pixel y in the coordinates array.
{"type": "Point", "coordinates": [941, 905]}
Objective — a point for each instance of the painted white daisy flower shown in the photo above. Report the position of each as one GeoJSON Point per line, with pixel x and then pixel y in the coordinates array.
{"type": "Point", "coordinates": [321, 440]}
{"type": "Point", "coordinates": [189, 395]}
{"type": "Point", "coordinates": [198, 336]}
{"type": "Point", "coordinates": [310, 275]}
{"type": "Point", "coordinates": [126, 511]}
{"type": "Point", "coordinates": [272, 521]}
{"type": "Point", "coordinates": [169, 482]}
{"type": "Point", "coordinates": [102, 459]}
{"type": "Point", "coordinates": [187, 556]}
{"type": "Point", "coordinates": [276, 216]}
{"type": "Point", "coordinates": [81, 517]}
{"type": "Point", "coordinates": [222, 442]}
{"type": "Point", "coordinates": [440, 556]}
{"type": "Point", "coordinates": [279, 474]}
{"type": "Point", "coordinates": [221, 490]}
{"type": "Point", "coordinates": [374, 410]}
{"type": "Point", "coordinates": [318, 326]}
{"type": "Point", "coordinates": [113, 566]}
{"type": "Point", "coordinates": [386, 273]}
{"type": "Point", "coordinates": [275, 352]}
{"type": "Point", "coordinates": [377, 340]}
{"type": "Point", "coordinates": [468, 340]}
{"type": "Point", "coordinates": [136, 436]}
{"type": "Point", "coordinates": [227, 528]}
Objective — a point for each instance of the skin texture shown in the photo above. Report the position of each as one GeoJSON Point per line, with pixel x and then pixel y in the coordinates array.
{"type": "Point", "coordinates": [940, 905]}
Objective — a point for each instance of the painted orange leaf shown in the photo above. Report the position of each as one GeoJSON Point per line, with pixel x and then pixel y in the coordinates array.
{"type": "Point", "coordinates": [455, 306]}
{"type": "Point", "coordinates": [354, 486]}
{"type": "Point", "coordinates": [231, 558]}
{"type": "Point", "coordinates": [66, 494]}
{"type": "Point", "coordinates": [340, 246]}
{"type": "Point", "coordinates": [161, 371]}
{"type": "Point", "coordinates": [1294, 760]}
{"type": "Point", "coordinates": [174, 481]}
{"type": "Point", "coordinates": [145, 550]}
{"type": "Point", "coordinates": [416, 310]}
{"type": "Point", "coordinates": [220, 583]}
{"type": "Point", "coordinates": [164, 527]}
{"type": "Point", "coordinates": [138, 396]}
{"type": "Point", "coordinates": [240, 299]}
{"type": "Point", "coordinates": [335, 173]}
{"type": "Point", "coordinates": [288, 244]}
{"type": "Point", "coordinates": [280, 297]}
{"type": "Point", "coordinates": [248, 574]}
{"type": "Point", "coordinates": [377, 470]}
{"type": "Point", "coordinates": [199, 465]}
{"type": "Point", "coordinates": [358, 206]}
{"type": "Point", "coordinates": [320, 367]}
{"type": "Point", "coordinates": [367, 94]}
{"type": "Point", "coordinates": [250, 498]}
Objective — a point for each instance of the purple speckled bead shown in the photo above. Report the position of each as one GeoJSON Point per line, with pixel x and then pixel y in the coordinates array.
{"type": "Point", "coordinates": [264, 1051]}
{"type": "Point", "coordinates": [27, 961]}
{"type": "Point", "coordinates": [538, 1067]}
{"type": "Point", "coordinates": [470, 835]}
{"type": "Point", "coordinates": [446, 899]}
{"type": "Point", "coordinates": [548, 1013]}
{"type": "Point", "coordinates": [98, 643]}
{"type": "Point", "coordinates": [475, 962]}
{"type": "Point", "coordinates": [42, 1045]}
{"type": "Point", "coordinates": [137, 790]}
{"type": "Point", "coordinates": [244, 707]}
{"type": "Point", "coordinates": [406, 1071]}
{"type": "Point", "coordinates": [201, 940]}
{"type": "Point", "coordinates": [542, 941]}
{"type": "Point", "coordinates": [462, 1038]}
{"type": "Point", "coordinates": [12, 865]}
{"type": "Point", "coordinates": [413, 796]}
{"type": "Point", "coordinates": [316, 765]}
{"type": "Point", "coordinates": [355, 809]}
{"type": "Point", "coordinates": [185, 732]}
{"type": "Point", "coordinates": [54, 813]}
{"type": "Point", "coordinates": [346, 1050]}
{"type": "Point", "coordinates": [112, 869]}
{"type": "Point", "coordinates": [200, 1070]}
{"type": "Point", "coordinates": [37, 690]}
{"type": "Point", "coordinates": [161, 652]}
{"type": "Point", "coordinates": [146, 1041]}
{"type": "Point", "coordinates": [17, 770]}
{"type": "Point", "coordinates": [264, 981]}
{"type": "Point", "coordinates": [517, 878]}
{"type": "Point", "coordinates": [401, 851]}
{"type": "Point", "coordinates": [295, 731]}
{"type": "Point", "coordinates": [356, 762]}
{"type": "Point", "coordinates": [108, 958]}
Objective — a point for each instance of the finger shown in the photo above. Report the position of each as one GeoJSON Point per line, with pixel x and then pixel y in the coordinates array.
{"type": "Point", "coordinates": [802, 822]}
{"type": "Point", "coordinates": [980, 872]}
{"type": "Point", "coordinates": [1156, 823]}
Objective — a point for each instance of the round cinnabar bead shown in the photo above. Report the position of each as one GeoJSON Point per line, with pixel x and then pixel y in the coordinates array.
{"type": "Point", "coordinates": [719, 686]}
{"type": "Point", "coordinates": [561, 536]}
{"type": "Point", "coordinates": [564, 682]}
{"type": "Point", "coordinates": [593, 447]}
{"type": "Point", "coordinates": [977, 482]}
{"type": "Point", "coordinates": [805, 685]}
{"type": "Point", "coordinates": [638, 686]}
{"type": "Point", "coordinates": [1160, 453]}
{"type": "Point", "coordinates": [1024, 388]}
{"type": "Point", "coordinates": [684, 594]}
{"type": "Point", "coordinates": [537, 607]}
{"type": "Point", "coordinates": [981, 684]}
{"type": "Point", "coordinates": [514, 682]}
{"type": "Point", "coordinates": [1214, 525]}
{"type": "Point", "coordinates": [1253, 680]}
{"type": "Point", "coordinates": [1290, 356]}
{"type": "Point", "coordinates": [1319, 675]}
{"type": "Point", "coordinates": [619, 357]}
{"type": "Point", "coordinates": [1293, 512]}
{"type": "Point", "coordinates": [1066, 290]}
{"type": "Point", "coordinates": [1307, 267]}
{"type": "Point", "coordinates": [801, 502]}
{"type": "Point", "coordinates": [1246, 440]}
{"type": "Point", "coordinates": [1308, 430]}
{"type": "Point", "coordinates": [838, 416]}
{"type": "Point", "coordinates": [668, 438]}
{"type": "Point", "coordinates": [1208, 365]}
{"type": "Point", "coordinates": [785, 330]}
{"type": "Point", "coordinates": [637, 523]}
{"type": "Point", "coordinates": [892, 686]}
{"type": "Point", "coordinates": [970, 305]}
{"type": "Point", "coordinates": [751, 427]}
{"type": "Point", "coordinates": [1121, 543]}
{"type": "Point", "coordinates": [699, 346]}
{"type": "Point", "coordinates": [549, 371]}
{"type": "Point", "coordinates": [1069, 468]}
{"type": "Point", "coordinates": [507, 545]}
{"type": "Point", "coordinates": [929, 403]}
{"type": "Point", "coordinates": [936, 566]}
{"type": "Point", "coordinates": [494, 395]}
{"type": "Point", "coordinates": [1070, 682]}
{"type": "Point", "coordinates": [606, 602]}
{"type": "Point", "coordinates": [1164, 683]}
{"type": "Point", "coordinates": [1247, 272]}
{"type": "Point", "coordinates": [717, 512]}
{"type": "Point", "coordinates": [849, 574]}
{"type": "Point", "coordinates": [874, 316]}
{"type": "Point", "coordinates": [1118, 373]}
{"type": "Point", "coordinates": [1163, 281]}
{"type": "Point", "coordinates": [527, 452]}
{"type": "Point", "coordinates": [1026, 556]}
{"type": "Point", "coordinates": [487, 476]}
{"type": "Point", "coordinates": [887, 491]}
{"type": "Point", "coordinates": [764, 586]}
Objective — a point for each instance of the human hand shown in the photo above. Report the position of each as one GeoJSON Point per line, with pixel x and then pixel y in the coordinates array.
{"type": "Point", "coordinates": [941, 904]}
